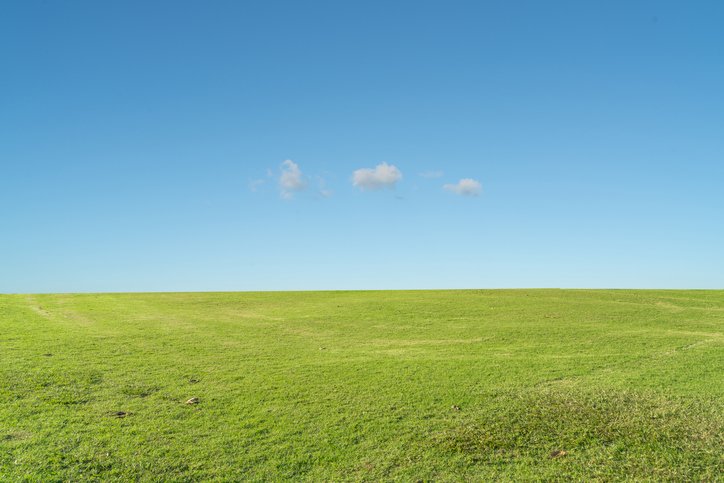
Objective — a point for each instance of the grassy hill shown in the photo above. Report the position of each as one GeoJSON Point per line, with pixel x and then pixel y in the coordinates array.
{"type": "Point", "coordinates": [409, 385]}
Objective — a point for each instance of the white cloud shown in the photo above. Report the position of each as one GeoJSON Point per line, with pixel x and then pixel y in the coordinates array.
{"type": "Point", "coordinates": [291, 179]}
{"type": "Point", "coordinates": [431, 174]}
{"type": "Point", "coordinates": [382, 176]}
{"type": "Point", "coordinates": [465, 187]}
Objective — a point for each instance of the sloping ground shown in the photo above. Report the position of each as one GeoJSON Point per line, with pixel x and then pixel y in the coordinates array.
{"type": "Point", "coordinates": [418, 385]}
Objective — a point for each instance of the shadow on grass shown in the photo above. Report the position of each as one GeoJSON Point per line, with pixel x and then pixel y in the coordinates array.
{"type": "Point", "coordinates": [565, 431]}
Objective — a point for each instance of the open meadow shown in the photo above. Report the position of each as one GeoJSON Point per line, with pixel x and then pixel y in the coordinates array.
{"type": "Point", "coordinates": [379, 385]}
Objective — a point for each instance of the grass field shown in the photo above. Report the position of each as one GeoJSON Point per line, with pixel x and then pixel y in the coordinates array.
{"type": "Point", "coordinates": [413, 385]}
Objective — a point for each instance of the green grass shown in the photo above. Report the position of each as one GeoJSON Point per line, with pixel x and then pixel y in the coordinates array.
{"type": "Point", "coordinates": [414, 385]}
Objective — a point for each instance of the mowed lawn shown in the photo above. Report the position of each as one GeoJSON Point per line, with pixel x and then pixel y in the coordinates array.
{"type": "Point", "coordinates": [388, 385]}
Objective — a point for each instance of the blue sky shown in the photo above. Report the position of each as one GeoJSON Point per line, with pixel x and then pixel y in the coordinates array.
{"type": "Point", "coordinates": [143, 145]}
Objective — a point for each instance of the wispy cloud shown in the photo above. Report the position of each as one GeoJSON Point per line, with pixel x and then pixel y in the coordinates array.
{"type": "Point", "coordinates": [255, 184]}
{"type": "Point", "coordinates": [291, 179]}
{"type": "Point", "coordinates": [431, 174]}
{"type": "Point", "coordinates": [324, 192]}
{"type": "Point", "coordinates": [465, 187]}
{"type": "Point", "coordinates": [382, 176]}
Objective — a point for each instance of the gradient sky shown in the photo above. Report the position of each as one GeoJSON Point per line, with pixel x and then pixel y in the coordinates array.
{"type": "Point", "coordinates": [142, 145]}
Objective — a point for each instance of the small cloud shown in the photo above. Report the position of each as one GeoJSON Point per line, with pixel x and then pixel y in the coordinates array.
{"type": "Point", "coordinates": [431, 174]}
{"type": "Point", "coordinates": [255, 184]}
{"type": "Point", "coordinates": [291, 179]}
{"type": "Point", "coordinates": [382, 176]}
{"type": "Point", "coordinates": [324, 192]}
{"type": "Point", "coordinates": [465, 187]}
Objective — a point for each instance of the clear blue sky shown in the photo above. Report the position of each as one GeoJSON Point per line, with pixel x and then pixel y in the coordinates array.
{"type": "Point", "coordinates": [142, 145]}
